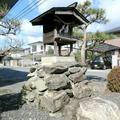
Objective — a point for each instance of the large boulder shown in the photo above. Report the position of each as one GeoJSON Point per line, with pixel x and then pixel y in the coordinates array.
{"type": "Point", "coordinates": [55, 69]}
{"type": "Point", "coordinates": [53, 101]}
{"type": "Point", "coordinates": [29, 85]}
{"type": "Point", "coordinates": [55, 82]}
{"type": "Point", "coordinates": [100, 108]}
{"type": "Point", "coordinates": [28, 96]}
{"type": "Point", "coordinates": [73, 70]}
{"type": "Point", "coordinates": [89, 88]}
{"type": "Point", "coordinates": [70, 110]}
{"type": "Point", "coordinates": [40, 85]}
{"type": "Point", "coordinates": [76, 77]}
{"type": "Point", "coordinates": [35, 83]}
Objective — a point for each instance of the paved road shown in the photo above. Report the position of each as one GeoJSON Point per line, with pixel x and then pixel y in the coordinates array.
{"type": "Point", "coordinates": [19, 73]}
{"type": "Point", "coordinates": [10, 73]}
{"type": "Point", "coordinates": [97, 74]}
{"type": "Point", "coordinates": [14, 78]}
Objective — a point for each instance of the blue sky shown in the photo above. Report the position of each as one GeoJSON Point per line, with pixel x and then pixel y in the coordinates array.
{"type": "Point", "coordinates": [31, 34]}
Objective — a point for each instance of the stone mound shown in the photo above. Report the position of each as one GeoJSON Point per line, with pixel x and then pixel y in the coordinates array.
{"type": "Point", "coordinates": [63, 88]}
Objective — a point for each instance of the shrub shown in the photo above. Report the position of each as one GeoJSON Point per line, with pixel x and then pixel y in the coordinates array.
{"type": "Point", "coordinates": [114, 80]}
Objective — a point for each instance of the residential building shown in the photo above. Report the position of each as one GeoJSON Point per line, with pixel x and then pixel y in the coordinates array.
{"type": "Point", "coordinates": [36, 47]}
{"type": "Point", "coordinates": [114, 42]}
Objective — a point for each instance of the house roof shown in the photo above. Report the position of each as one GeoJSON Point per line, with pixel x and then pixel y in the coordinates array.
{"type": "Point", "coordinates": [35, 42]}
{"type": "Point", "coordinates": [114, 42]}
{"type": "Point", "coordinates": [104, 47]}
{"type": "Point", "coordinates": [114, 30]}
{"type": "Point", "coordinates": [67, 14]}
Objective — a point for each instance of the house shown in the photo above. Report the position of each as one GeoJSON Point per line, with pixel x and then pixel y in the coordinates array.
{"type": "Point", "coordinates": [114, 42]}
{"type": "Point", "coordinates": [115, 31]}
{"type": "Point", "coordinates": [106, 49]}
{"type": "Point", "coordinates": [36, 47]}
{"type": "Point", "coordinates": [26, 51]}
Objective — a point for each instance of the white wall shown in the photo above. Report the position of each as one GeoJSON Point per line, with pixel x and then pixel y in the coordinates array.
{"type": "Point", "coordinates": [38, 48]}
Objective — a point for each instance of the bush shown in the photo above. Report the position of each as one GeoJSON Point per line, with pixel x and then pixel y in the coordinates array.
{"type": "Point", "coordinates": [114, 80]}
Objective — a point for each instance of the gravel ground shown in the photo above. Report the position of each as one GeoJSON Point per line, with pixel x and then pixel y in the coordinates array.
{"type": "Point", "coordinates": [11, 110]}
{"type": "Point", "coordinates": [27, 112]}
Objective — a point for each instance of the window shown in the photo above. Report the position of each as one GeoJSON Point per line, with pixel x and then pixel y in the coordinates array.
{"type": "Point", "coordinates": [34, 48]}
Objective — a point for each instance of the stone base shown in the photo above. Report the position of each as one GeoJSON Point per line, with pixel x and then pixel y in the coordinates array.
{"type": "Point", "coordinates": [45, 61]}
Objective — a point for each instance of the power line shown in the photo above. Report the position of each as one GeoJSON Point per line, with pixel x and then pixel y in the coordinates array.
{"type": "Point", "coordinates": [25, 9]}
{"type": "Point", "coordinates": [40, 3]}
{"type": "Point", "coordinates": [11, 10]}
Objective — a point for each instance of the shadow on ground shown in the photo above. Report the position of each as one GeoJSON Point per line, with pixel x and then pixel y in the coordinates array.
{"type": "Point", "coordinates": [10, 102]}
{"type": "Point", "coordinates": [10, 76]}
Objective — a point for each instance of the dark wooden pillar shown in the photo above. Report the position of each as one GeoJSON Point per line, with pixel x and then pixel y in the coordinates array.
{"type": "Point", "coordinates": [59, 49]}
{"type": "Point", "coordinates": [71, 48]}
{"type": "Point", "coordinates": [44, 49]}
{"type": "Point", "coordinates": [55, 48]}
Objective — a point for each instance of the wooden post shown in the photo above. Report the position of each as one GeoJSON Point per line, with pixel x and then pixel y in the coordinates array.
{"type": "Point", "coordinates": [44, 49]}
{"type": "Point", "coordinates": [59, 49]}
{"type": "Point", "coordinates": [71, 48]}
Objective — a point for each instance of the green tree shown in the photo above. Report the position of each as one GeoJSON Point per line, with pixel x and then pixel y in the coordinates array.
{"type": "Point", "coordinates": [97, 38]}
{"type": "Point", "coordinates": [94, 15]}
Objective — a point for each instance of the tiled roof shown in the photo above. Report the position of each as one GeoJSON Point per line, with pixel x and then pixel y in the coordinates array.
{"type": "Point", "coordinates": [104, 47]}
{"type": "Point", "coordinates": [114, 42]}
{"type": "Point", "coordinates": [114, 30]}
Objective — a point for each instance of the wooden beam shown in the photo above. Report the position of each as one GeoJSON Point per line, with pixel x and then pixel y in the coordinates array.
{"type": "Point", "coordinates": [63, 13]}
{"type": "Point", "coordinates": [80, 19]}
{"type": "Point", "coordinates": [44, 49]}
{"type": "Point", "coordinates": [59, 49]}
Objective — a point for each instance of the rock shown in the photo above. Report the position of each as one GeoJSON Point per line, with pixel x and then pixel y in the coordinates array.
{"type": "Point", "coordinates": [40, 73]}
{"type": "Point", "coordinates": [29, 85]}
{"type": "Point", "coordinates": [89, 88]}
{"type": "Point", "coordinates": [32, 69]}
{"type": "Point", "coordinates": [30, 97]}
{"type": "Point", "coordinates": [56, 69]}
{"type": "Point", "coordinates": [31, 74]}
{"type": "Point", "coordinates": [40, 85]}
{"type": "Point", "coordinates": [35, 83]}
{"type": "Point", "coordinates": [76, 77]}
{"type": "Point", "coordinates": [67, 73]}
{"type": "Point", "coordinates": [71, 64]}
{"type": "Point", "coordinates": [69, 92]}
{"type": "Point", "coordinates": [100, 108]}
{"type": "Point", "coordinates": [53, 101]}
{"type": "Point", "coordinates": [74, 70]}
{"type": "Point", "coordinates": [70, 110]}
{"type": "Point", "coordinates": [55, 82]}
